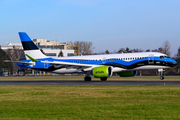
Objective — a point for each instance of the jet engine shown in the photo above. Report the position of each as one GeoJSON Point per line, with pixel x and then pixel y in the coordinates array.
{"type": "Point", "coordinates": [102, 72]}
{"type": "Point", "coordinates": [128, 73]}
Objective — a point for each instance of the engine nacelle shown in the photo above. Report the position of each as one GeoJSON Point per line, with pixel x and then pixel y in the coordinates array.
{"type": "Point", "coordinates": [128, 73]}
{"type": "Point", "coordinates": [102, 72]}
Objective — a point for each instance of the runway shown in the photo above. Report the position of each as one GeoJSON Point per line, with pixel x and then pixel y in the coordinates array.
{"type": "Point", "coordinates": [79, 82]}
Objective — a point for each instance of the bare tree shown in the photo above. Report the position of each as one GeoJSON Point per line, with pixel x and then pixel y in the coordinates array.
{"type": "Point", "coordinates": [121, 50]}
{"type": "Point", "coordinates": [148, 50]}
{"type": "Point", "coordinates": [166, 48]}
{"type": "Point", "coordinates": [178, 61]}
{"type": "Point", "coordinates": [128, 50]}
{"type": "Point", "coordinates": [161, 50]}
{"type": "Point", "coordinates": [136, 50]}
{"type": "Point", "coordinates": [80, 44]}
{"type": "Point", "coordinates": [155, 50]}
{"type": "Point", "coordinates": [14, 55]}
{"type": "Point", "coordinates": [86, 48]}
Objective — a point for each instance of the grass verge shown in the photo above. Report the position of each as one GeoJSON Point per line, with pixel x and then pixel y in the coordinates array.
{"type": "Point", "coordinates": [89, 102]}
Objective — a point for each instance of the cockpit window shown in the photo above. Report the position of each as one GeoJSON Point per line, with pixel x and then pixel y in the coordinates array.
{"type": "Point", "coordinates": [162, 57]}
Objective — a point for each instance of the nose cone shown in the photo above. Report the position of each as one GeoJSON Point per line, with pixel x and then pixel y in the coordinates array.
{"type": "Point", "coordinates": [173, 63]}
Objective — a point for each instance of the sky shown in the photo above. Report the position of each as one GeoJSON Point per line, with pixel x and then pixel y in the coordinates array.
{"type": "Point", "coordinates": [108, 24]}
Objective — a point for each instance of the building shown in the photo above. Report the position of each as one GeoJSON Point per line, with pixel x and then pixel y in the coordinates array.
{"type": "Point", "coordinates": [11, 45]}
{"type": "Point", "coordinates": [55, 52]}
{"type": "Point", "coordinates": [50, 48]}
{"type": "Point", "coordinates": [54, 44]}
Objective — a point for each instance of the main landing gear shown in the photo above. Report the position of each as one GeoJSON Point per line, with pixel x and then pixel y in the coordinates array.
{"type": "Point", "coordinates": [103, 79]}
{"type": "Point", "coordinates": [88, 78]}
{"type": "Point", "coordinates": [161, 71]}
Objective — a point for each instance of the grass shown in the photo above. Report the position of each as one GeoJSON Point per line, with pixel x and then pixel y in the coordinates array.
{"type": "Point", "coordinates": [143, 78]}
{"type": "Point", "coordinates": [89, 102]}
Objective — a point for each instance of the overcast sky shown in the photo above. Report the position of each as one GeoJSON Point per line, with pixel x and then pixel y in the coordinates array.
{"type": "Point", "coordinates": [108, 24]}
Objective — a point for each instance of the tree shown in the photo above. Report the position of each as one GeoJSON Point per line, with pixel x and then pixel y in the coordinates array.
{"type": "Point", "coordinates": [2, 57]}
{"type": "Point", "coordinates": [106, 52]}
{"type": "Point", "coordinates": [155, 50]}
{"type": "Point", "coordinates": [60, 54]}
{"type": "Point", "coordinates": [148, 50]}
{"type": "Point", "coordinates": [121, 50]}
{"type": "Point", "coordinates": [3, 64]}
{"type": "Point", "coordinates": [166, 48]}
{"type": "Point", "coordinates": [178, 61]}
{"type": "Point", "coordinates": [128, 50]}
{"type": "Point", "coordinates": [85, 47]}
{"type": "Point", "coordinates": [160, 50]}
{"type": "Point", "coordinates": [79, 44]}
{"type": "Point", "coordinates": [14, 55]}
{"type": "Point", "coordinates": [136, 50]}
{"type": "Point", "coordinates": [178, 54]}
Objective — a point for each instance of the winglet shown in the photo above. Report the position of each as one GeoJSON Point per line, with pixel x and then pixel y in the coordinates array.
{"type": "Point", "coordinates": [32, 59]}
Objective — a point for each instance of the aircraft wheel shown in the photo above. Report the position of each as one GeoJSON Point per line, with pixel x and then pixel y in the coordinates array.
{"type": "Point", "coordinates": [162, 77]}
{"type": "Point", "coordinates": [103, 79]}
{"type": "Point", "coordinates": [87, 78]}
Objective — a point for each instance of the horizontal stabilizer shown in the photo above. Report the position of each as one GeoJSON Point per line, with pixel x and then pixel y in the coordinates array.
{"type": "Point", "coordinates": [26, 63]}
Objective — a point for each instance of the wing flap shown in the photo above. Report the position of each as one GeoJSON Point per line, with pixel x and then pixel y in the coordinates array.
{"type": "Point", "coordinates": [68, 65]}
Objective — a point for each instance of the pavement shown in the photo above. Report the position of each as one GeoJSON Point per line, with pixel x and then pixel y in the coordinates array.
{"type": "Point", "coordinates": [80, 82]}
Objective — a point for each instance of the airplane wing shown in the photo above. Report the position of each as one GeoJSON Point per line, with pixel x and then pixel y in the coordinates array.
{"type": "Point", "coordinates": [68, 65]}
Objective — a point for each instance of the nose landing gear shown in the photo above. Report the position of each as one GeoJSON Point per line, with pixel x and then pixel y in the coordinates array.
{"type": "Point", "coordinates": [161, 71]}
{"type": "Point", "coordinates": [162, 77]}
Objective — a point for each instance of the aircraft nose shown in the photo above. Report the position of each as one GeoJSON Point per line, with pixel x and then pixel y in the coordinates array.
{"type": "Point", "coordinates": [174, 63]}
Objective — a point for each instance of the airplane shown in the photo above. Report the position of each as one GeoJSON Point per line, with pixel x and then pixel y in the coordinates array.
{"type": "Point", "coordinates": [99, 66]}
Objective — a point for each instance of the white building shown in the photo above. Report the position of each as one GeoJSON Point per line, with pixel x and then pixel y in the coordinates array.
{"type": "Point", "coordinates": [51, 52]}
{"type": "Point", "coordinates": [55, 53]}
{"type": "Point", "coordinates": [11, 45]}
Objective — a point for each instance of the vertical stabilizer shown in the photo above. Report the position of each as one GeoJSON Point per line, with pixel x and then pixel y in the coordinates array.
{"type": "Point", "coordinates": [29, 47]}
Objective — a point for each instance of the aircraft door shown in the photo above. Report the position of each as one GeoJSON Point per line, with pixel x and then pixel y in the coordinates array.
{"type": "Point", "coordinates": [46, 65]}
{"type": "Point", "coordinates": [103, 60]}
{"type": "Point", "coordinates": [151, 59]}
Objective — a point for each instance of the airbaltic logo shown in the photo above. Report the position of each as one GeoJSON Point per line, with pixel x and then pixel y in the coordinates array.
{"type": "Point", "coordinates": [99, 72]}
